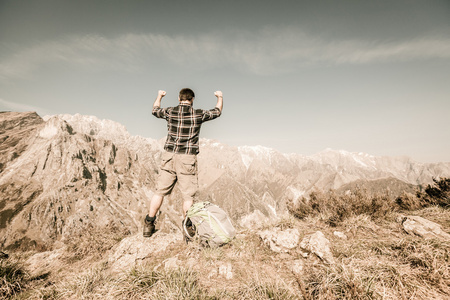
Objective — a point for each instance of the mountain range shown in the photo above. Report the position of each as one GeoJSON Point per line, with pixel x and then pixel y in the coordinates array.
{"type": "Point", "coordinates": [61, 174]}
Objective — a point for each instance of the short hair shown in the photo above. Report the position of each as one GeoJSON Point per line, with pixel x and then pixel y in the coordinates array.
{"type": "Point", "coordinates": [186, 94]}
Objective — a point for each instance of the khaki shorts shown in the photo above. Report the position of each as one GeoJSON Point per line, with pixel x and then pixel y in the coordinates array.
{"type": "Point", "coordinates": [181, 168]}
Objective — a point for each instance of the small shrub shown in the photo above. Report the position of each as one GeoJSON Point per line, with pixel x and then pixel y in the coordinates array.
{"type": "Point", "coordinates": [439, 193]}
{"type": "Point", "coordinates": [12, 279]}
{"type": "Point", "coordinates": [409, 201]}
{"type": "Point", "coordinates": [301, 209]}
{"type": "Point", "coordinates": [336, 208]}
{"type": "Point", "coordinates": [436, 194]}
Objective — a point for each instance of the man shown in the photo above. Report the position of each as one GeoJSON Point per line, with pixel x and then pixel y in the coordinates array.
{"type": "Point", "coordinates": [179, 159]}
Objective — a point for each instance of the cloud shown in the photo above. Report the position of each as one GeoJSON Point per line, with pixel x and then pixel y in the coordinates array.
{"type": "Point", "coordinates": [269, 51]}
{"type": "Point", "coordinates": [7, 105]}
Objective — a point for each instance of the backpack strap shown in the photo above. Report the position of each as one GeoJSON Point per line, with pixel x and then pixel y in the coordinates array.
{"type": "Point", "coordinates": [188, 228]}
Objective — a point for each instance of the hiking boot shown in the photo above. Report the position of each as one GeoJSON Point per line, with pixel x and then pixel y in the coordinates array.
{"type": "Point", "coordinates": [149, 228]}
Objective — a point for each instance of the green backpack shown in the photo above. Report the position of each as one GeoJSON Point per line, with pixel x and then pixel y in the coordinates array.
{"type": "Point", "coordinates": [209, 224]}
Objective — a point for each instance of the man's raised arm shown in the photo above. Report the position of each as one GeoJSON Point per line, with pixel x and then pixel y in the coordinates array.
{"type": "Point", "coordinates": [219, 96]}
{"type": "Point", "coordinates": [157, 102]}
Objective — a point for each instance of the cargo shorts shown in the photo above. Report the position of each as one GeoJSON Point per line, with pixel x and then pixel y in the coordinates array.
{"type": "Point", "coordinates": [181, 168]}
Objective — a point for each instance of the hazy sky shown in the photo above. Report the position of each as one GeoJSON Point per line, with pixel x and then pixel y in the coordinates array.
{"type": "Point", "coordinates": [297, 76]}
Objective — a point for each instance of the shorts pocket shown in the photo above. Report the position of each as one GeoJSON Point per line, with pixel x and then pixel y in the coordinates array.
{"type": "Point", "coordinates": [166, 161]}
{"type": "Point", "coordinates": [188, 165]}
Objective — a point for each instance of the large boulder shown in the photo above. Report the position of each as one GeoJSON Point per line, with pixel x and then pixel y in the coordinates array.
{"type": "Point", "coordinates": [424, 228]}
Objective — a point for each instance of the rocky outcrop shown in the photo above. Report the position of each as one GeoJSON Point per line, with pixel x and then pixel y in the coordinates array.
{"type": "Point", "coordinates": [46, 262]}
{"type": "Point", "coordinates": [136, 249]}
{"type": "Point", "coordinates": [316, 243]}
{"type": "Point", "coordinates": [280, 240]}
{"type": "Point", "coordinates": [56, 181]}
{"type": "Point", "coordinates": [15, 128]}
{"type": "Point", "coordinates": [284, 241]}
{"type": "Point", "coordinates": [424, 228]}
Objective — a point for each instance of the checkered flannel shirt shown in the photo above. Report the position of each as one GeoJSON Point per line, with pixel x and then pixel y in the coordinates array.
{"type": "Point", "coordinates": [183, 124]}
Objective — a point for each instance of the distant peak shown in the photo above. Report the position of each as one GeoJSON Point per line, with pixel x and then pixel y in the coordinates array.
{"type": "Point", "coordinates": [256, 149]}
{"type": "Point", "coordinates": [91, 125]}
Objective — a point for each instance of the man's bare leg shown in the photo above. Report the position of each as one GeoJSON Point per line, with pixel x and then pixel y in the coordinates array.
{"type": "Point", "coordinates": [155, 205]}
{"type": "Point", "coordinates": [186, 205]}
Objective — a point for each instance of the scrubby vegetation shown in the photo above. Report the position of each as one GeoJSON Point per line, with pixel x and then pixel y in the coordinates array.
{"type": "Point", "coordinates": [382, 267]}
{"type": "Point", "coordinates": [335, 208]}
{"type": "Point", "coordinates": [436, 194]}
{"type": "Point", "coordinates": [376, 260]}
{"type": "Point", "coordinates": [13, 278]}
{"type": "Point", "coordinates": [379, 261]}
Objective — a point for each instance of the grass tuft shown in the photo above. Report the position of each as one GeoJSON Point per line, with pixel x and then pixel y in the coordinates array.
{"type": "Point", "coordinates": [143, 283]}
{"type": "Point", "coordinates": [337, 282]}
{"type": "Point", "coordinates": [12, 278]}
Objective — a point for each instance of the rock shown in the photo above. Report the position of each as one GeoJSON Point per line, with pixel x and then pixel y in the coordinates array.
{"type": "Point", "coordinates": [254, 220]}
{"type": "Point", "coordinates": [191, 263]}
{"type": "Point", "coordinates": [135, 249]}
{"type": "Point", "coordinates": [424, 228]}
{"type": "Point", "coordinates": [295, 266]}
{"type": "Point", "coordinates": [318, 244]}
{"type": "Point", "coordinates": [225, 271]}
{"type": "Point", "coordinates": [285, 256]}
{"type": "Point", "coordinates": [45, 262]}
{"type": "Point", "coordinates": [340, 235]}
{"type": "Point", "coordinates": [280, 240]}
{"type": "Point", "coordinates": [399, 218]}
{"type": "Point", "coordinates": [212, 274]}
{"type": "Point", "coordinates": [3, 255]}
{"type": "Point", "coordinates": [172, 263]}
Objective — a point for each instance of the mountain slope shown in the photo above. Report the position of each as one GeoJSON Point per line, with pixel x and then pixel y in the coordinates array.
{"type": "Point", "coordinates": [61, 174]}
{"type": "Point", "coordinates": [61, 180]}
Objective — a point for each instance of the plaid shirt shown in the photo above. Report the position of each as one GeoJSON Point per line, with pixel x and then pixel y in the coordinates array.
{"type": "Point", "coordinates": [183, 124]}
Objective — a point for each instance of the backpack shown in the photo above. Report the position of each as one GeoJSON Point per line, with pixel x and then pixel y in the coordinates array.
{"type": "Point", "coordinates": [209, 224]}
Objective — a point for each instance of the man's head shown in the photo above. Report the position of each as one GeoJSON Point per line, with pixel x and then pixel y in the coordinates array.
{"type": "Point", "coordinates": [186, 95]}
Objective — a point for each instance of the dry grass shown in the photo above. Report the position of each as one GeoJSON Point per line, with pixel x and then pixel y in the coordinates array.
{"type": "Point", "coordinates": [93, 241]}
{"type": "Point", "coordinates": [335, 209]}
{"type": "Point", "coordinates": [377, 260]}
{"type": "Point", "coordinates": [12, 278]}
